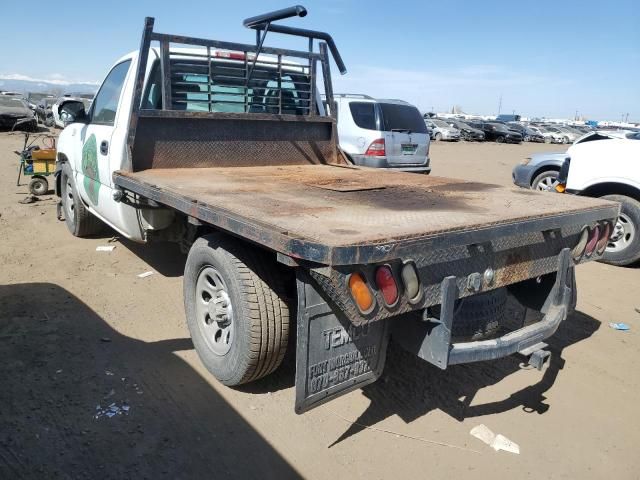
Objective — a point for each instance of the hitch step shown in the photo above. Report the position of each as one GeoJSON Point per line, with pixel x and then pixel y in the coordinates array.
{"type": "Point", "coordinates": [536, 355]}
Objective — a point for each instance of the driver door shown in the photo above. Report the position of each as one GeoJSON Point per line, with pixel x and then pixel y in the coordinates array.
{"type": "Point", "coordinates": [93, 175]}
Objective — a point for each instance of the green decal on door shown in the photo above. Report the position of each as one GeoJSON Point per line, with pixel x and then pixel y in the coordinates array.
{"type": "Point", "coordinates": [90, 169]}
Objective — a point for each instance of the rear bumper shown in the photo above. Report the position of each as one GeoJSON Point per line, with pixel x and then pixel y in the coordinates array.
{"type": "Point", "coordinates": [431, 339]}
{"type": "Point", "coordinates": [383, 162]}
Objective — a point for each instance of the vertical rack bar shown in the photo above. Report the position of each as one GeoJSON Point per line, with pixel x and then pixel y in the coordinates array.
{"type": "Point", "coordinates": [141, 69]}
{"type": "Point", "coordinates": [280, 84]}
{"type": "Point", "coordinates": [326, 75]}
{"type": "Point", "coordinates": [312, 88]}
{"type": "Point", "coordinates": [312, 80]}
{"type": "Point", "coordinates": [246, 83]}
{"type": "Point", "coordinates": [209, 80]}
{"type": "Point", "coordinates": [165, 64]}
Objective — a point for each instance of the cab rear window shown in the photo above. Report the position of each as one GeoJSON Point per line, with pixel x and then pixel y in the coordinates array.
{"type": "Point", "coordinates": [402, 117]}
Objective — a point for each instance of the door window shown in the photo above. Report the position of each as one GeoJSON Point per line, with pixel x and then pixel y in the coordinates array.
{"type": "Point", "coordinates": [106, 101]}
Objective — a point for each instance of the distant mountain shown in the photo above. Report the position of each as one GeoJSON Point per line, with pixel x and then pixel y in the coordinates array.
{"type": "Point", "coordinates": [23, 84]}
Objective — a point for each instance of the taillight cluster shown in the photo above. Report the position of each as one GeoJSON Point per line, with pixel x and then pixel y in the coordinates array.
{"type": "Point", "coordinates": [592, 240]}
{"type": "Point", "coordinates": [389, 286]}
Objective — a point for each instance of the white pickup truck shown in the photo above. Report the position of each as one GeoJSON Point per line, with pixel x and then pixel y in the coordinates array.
{"type": "Point", "coordinates": [607, 165]}
{"type": "Point", "coordinates": [226, 149]}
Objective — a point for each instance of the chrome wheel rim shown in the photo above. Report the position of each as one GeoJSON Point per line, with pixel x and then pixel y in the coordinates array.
{"type": "Point", "coordinates": [624, 233]}
{"type": "Point", "coordinates": [548, 183]}
{"type": "Point", "coordinates": [214, 311]}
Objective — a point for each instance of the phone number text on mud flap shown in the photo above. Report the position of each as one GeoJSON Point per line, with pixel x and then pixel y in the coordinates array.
{"type": "Point", "coordinates": [339, 369]}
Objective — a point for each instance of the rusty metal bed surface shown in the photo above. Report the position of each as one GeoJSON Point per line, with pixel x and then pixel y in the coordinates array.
{"type": "Point", "coordinates": [341, 214]}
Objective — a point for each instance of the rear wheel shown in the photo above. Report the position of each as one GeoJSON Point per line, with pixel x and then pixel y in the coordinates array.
{"type": "Point", "coordinates": [38, 186]}
{"type": "Point", "coordinates": [624, 244]}
{"type": "Point", "coordinates": [546, 181]}
{"type": "Point", "coordinates": [437, 137]}
{"type": "Point", "coordinates": [547, 139]}
{"type": "Point", "coordinates": [235, 308]}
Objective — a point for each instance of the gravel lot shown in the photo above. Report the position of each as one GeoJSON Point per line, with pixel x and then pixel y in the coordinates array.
{"type": "Point", "coordinates": [79, 329]}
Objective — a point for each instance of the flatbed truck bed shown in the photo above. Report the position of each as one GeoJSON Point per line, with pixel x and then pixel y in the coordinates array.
{"type": "Point", "coordinates": [329, 213]}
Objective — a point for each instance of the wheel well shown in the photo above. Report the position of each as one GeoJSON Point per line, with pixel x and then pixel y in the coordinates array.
{"type": "Point", "coordinates": [545, 168]}
{"type": "Point", "coordinates": [62, 158]}
{"type": "Point", "coordinates": [611, 188]}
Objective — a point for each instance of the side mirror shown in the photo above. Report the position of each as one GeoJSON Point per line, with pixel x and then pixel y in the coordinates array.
{"type": "Point", "coordinates": [72, 111]}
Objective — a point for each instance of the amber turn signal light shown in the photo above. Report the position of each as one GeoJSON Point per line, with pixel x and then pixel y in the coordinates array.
{"type": "Point", "coordinates": [360, 292]}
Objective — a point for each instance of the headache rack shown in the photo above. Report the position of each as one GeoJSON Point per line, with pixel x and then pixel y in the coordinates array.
{"type": "Point", "coordinates": [226, 83]}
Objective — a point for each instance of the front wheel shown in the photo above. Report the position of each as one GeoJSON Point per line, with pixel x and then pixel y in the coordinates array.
{"type": "Point", "coordinates": [624, 244]}
{"type": "Point", "coordinates": [546, 181]}
{"type": "Point", "coordinates": [77, 217]}
{"type": "Point", "coordinates": [235, 308]}
{"type": "Point", "coordinates": [500, 139]}
{"type": "Point", "coordinates": [437, 137]}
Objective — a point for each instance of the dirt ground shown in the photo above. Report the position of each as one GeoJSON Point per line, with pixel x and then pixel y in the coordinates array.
{"type": "Point", "coordinates": [79, 329]}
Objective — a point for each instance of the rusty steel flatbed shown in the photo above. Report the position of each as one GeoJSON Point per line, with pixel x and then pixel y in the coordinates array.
{"type": "Point", "coordinates": [338, 215]}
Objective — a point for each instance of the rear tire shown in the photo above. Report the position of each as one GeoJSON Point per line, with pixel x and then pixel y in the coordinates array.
{"type": "Point", "coordinates": [79, 220]}
{"type": "Point", "coordinates": [235, 308]}
{"type": "Point", "coordinates": [624, 245]}
{"type": "Point", "coordinates": [38, 186]}
{"type": "Point", "coordinates": [437, 137]}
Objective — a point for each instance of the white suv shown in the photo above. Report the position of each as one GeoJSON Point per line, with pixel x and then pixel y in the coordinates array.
{"type": "Point", "coordinates": [607, 165]}
{"type": "Point", "coordinates": [382, 133]}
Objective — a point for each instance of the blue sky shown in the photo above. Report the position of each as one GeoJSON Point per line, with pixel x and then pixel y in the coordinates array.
{"type": "Point", "coordinates": [544, 57]}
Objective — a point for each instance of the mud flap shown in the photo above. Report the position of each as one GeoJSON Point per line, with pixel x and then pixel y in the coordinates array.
{"type": "Point", "coordinates": [333, 357]}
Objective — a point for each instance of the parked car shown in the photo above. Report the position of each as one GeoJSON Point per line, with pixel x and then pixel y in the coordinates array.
{"type": "Point", "coordinates": [16, 114]}
{"type": "Point", "coordinates": [467, 132]}
{"type": "Point", "coordinates": [540, 171]}
{"type": "Point", "coordinates": [547, 136]}
{"type": "Point", "coordinates": [497, 131]}
{"type": "Point", "coordinates": [441, 130]}
{"type": "Point", "coordinates": [382, 133]}
{"type": "Point", "coordinates": [566, 135]}
{"type": "Point", "coordinates": [617, 178]}
{"type": "Point", "coordinates": [528, 134]}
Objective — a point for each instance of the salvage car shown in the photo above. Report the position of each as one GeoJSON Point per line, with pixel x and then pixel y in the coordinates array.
{"type": "Point", "coordinates": [199, 145]}
{"type": "Point", "coordinates": [497, 131]}
{"type": "Point", "coordinates": [467, 132]}
{"type": "Point", "coordinates": [382, 133]}
{"type": "Point", "coordinates": [441, 130]}
{"type": "Point", "coordinates": [16, 114]}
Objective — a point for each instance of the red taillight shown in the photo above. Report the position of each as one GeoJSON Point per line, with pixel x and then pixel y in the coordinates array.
{"type": "Point", "coordinates": [376, 149]}
{"type": "Point", "coordinates": [230, 55]}
{"type": "Point", "coordinates": [605, 233]}
{"type": "Point", "coordinates": [387, 285]}
{"type": "Point", "coordinates": [594, 236]}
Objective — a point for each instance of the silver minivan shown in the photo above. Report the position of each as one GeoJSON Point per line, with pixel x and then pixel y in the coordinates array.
{"type": "Point", "coordinates": [382, 133]}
